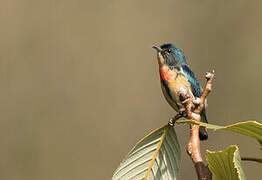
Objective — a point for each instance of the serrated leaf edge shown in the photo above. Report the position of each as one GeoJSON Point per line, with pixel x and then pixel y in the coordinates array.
{"type": "Point", "coordinates": [236, 152]}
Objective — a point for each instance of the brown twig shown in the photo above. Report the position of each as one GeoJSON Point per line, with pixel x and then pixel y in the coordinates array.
{"type": "Point", "coordinates": [193, 111]}
{"type": "Point", "coordinates": [209, 77]}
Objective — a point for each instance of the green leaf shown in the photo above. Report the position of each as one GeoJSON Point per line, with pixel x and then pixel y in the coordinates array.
{"type": "Point", "coordinates": [249, 128]}
{"type": "Point", "coordinates": [156, 156]}
{"type": "Point", "coordinates": [225, 164]}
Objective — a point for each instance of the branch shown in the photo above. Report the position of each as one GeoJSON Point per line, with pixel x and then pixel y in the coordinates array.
{"type": "Point", "coordinates": [193, 111]}
{"type": "Point", "coordinates": [209, 77]}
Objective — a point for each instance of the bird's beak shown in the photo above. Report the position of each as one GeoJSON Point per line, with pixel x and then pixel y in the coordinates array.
{"type": "Point", "coordinates": [158, 48]}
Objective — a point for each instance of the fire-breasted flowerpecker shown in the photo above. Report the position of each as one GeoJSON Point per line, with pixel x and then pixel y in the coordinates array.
{"type": "Point", "coordinates": [176, 74]}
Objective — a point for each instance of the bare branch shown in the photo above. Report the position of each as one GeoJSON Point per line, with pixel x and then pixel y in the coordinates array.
{"type": "Point", "coordinates": [193, 111]}
{"type": "Point", "coordinates": [208, 88]}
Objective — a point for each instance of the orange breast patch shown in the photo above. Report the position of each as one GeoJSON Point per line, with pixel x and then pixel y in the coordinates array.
{"type": "Point", "coordinates": [166, 74]}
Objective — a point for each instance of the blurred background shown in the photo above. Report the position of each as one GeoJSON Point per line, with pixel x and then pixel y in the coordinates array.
{"type": "Point", "coordinates": [80, 84]}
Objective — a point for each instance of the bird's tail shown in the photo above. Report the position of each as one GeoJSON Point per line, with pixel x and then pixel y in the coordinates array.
{"type": "Point", "coordinates": [202, 130]}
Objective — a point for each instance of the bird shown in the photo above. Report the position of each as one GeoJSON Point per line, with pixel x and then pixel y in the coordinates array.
{"type": "Point", "coordinates": [175, 74]}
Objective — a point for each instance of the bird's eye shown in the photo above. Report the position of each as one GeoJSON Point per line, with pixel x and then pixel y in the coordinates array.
{"type": "Point", "coordinates": [169, 50]}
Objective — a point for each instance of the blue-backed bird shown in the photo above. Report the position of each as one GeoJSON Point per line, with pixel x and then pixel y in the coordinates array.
{"type": "Point", "coordinates": [175, 75]}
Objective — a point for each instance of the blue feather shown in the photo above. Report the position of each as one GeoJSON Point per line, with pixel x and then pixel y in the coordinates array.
{"type": "Point", "coordinates": [197, 92]}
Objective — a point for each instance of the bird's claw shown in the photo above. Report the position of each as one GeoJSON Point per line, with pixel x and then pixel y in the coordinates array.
{"type": "Point", "coordinates": [171, 122]}
{"type": "Point", "coordinates": [197, 101]}
{"type": "Point", "coordinates": [180, 114]}
{"type": "Point", "coordinates": [185, 101]}
{"type": "Point", "coordinates": [181, 110]}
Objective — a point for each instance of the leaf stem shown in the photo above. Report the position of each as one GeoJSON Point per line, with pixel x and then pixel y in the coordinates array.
{"type": "Point", "coordinates": [251, 159]}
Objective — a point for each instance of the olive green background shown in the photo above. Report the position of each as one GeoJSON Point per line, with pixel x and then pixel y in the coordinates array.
{"type": "Point", "coordinates": [80, 85]}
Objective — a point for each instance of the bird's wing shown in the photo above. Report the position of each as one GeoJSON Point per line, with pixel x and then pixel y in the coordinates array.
{"type": "Point", "coordinates": [196, 90]}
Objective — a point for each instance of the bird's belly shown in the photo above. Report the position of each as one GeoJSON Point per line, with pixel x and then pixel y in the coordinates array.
{"type": "Point", "coordinates": [168, 96]}
{"type": "Point", "coordinates": [173, 88]}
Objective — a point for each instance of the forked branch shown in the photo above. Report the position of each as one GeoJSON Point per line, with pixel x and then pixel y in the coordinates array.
{"type": "Point", "coordinates": [193, 111]}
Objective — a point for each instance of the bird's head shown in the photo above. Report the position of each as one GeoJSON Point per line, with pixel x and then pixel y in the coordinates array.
{"type": "Point", "coordinates": [170, 55]}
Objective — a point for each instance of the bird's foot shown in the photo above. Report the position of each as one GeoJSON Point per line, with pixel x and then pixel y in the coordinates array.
{"type": "Point", "coordinates": [171, 122]}
{"type": "Point", "coordinates": [197, 101]}
{"type": "Point", "coordinates": [186, 101]}
{"type": "Point", "coordinates": [178, 115]}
